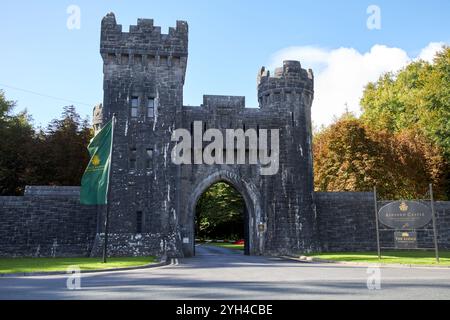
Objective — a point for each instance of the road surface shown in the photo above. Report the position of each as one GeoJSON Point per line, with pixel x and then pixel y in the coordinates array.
{"type": "Point", "coordinates": [217, 273]}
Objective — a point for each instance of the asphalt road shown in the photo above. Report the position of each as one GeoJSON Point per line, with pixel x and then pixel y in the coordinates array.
{"type": "Point", "coordinates": [217, 273]}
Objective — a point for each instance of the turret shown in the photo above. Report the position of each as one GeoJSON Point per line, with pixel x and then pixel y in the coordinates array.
{"type": "Point", "coordinates": [285, 87]}
{"type": "Point", "coordinates": [97, 118]}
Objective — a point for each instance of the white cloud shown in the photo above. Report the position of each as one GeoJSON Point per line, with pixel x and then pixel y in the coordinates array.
{"type": "Point", "coordinates": [430, 51]}
{"type": "Point", "coordinates": [341, 74]}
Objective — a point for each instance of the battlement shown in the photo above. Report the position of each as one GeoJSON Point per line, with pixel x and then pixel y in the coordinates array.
{"type": "Point", "coordinates": [143, 39]}
{"type": "Point", "coordinates": [223, 102]}
{"type": "Point", "coordinates": [290, 78]}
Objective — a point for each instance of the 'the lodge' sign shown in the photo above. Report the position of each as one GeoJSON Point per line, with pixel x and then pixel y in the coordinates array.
{"type": "Point", "coordinates": [405, 215]}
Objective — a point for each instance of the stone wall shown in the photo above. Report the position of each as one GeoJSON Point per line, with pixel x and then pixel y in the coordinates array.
{"type": "Point", "coordinates": [46, 222]}
{"type": "Point", "coordinates": [346, 222]}
{"type": "Point", "coordinates": [50, 222]}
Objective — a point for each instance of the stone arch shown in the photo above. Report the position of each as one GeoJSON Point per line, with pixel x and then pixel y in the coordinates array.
{"type": "Point", "coordinates": [255, 217]}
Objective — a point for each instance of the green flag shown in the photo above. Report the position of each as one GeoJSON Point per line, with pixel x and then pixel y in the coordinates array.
{"type": "Point", "coordinates": [95, 181]}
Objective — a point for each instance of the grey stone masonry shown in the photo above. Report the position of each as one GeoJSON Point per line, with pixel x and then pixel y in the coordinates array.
{"type": "Point", "coordinates": [46, 222]}
{"type": "Point", "coordinates": [144, 73]}
{"type": "Point", "coordinates": [347, 223]}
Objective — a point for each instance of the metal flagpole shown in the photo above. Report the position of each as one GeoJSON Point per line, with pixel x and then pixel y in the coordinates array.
{"type": "Point", "coordinates": [105, 243]}
{"type": "Point", "coordinates": [436, 249]}
{"type": "Point", "coordinates": [376, 221]}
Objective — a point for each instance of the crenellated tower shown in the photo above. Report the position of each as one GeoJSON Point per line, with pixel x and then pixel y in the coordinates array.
{"type": "Point", "coordinates": [144, 73]}
{"type": "Point", "coordinates": [289, 94]}
{"type": "Point", "coordinates": [286, 87]}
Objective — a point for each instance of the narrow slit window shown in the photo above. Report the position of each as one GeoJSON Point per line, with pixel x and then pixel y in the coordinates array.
{"type": "Point", "coordinates": [139, 222]}
{"type": "Point", "coordinates": [151, 108]}
{"type": "Point", "coordinates": [125, 59]}
{"type": "Point", "coordinates": [149, 160]}
{"type": "Point", "coordinates": [176, 61]}
{"type": "Point", "coordinates": [133, 162]}
{"type": "Point", "coordinates": [111, 57]}
{"type": "Point", "coordinates": [132, 165]}
{"type": "Point", "coordinates": [150, 60]}
{"type": "Point", "coordinates": [134, 107]}
{"type": "Point", "coordinates": [138, 59]}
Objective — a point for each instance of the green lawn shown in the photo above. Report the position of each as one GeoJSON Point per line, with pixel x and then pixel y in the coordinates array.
{"type": "Point", "coordinates": [400, 257]}
{"type": "Point", "coordinates": [26, 265]}
{"type": "Point", "coordinates": [227, 245]}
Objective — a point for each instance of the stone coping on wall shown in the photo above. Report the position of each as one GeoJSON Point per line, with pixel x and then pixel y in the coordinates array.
{"type": "Point", "coordinates": [51, 191]}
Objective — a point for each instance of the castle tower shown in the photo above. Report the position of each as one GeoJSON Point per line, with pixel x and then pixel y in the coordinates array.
{"type": "Point", "coordinates": [144, 72]}
{"type": "Point", "coordinates": [289, 93]}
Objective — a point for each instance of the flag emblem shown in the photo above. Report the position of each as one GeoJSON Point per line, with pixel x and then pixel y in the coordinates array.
{"type": "Point", "coordinates": [95, 182]}
{"type": "Point", "coordinates": [96, 161]}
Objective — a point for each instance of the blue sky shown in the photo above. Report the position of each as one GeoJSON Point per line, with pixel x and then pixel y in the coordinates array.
{"type": "Point", "coordinates": [229, 41]}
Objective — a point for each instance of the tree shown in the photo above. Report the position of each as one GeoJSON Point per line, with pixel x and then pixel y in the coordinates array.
{"type": "Point", "coordinates": [219, 213]}
{"type": "Point", "coordinates": [57, 156]}
{"type": "Point", "coordinates": [16, 148]}
{"type": "Point", "coordinates": [416, 98]}
{"type": "Point", "coordinates": [64, 155]}
{"type": "Point", "coordinates": [352, 156]}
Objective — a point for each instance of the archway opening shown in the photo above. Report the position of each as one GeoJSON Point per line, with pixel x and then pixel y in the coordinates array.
{"type": "Point", "coordinates": [221, 218]}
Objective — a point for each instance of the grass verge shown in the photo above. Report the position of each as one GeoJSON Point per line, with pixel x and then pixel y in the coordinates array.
{"type": "Point", "coordinates": [28, 265]}
{"type": "Point", "coordinates": [227, 245]}
{"type": "Point", "coordinates": [388, 257]}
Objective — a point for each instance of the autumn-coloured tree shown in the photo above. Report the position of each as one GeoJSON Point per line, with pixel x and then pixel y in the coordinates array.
{"type": "Point", "coordinates": [351, 156]}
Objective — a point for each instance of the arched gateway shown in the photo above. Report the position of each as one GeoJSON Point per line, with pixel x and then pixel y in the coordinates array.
{"type": "Point", "coordinates": [252, 200]}
{"type": "Point", "coordinates": [153, 199]}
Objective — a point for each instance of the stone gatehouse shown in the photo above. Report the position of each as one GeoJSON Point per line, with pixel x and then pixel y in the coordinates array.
{"type": "Point", "coordinates": [144, 74]}
{"type": "Point", "coordinates": [153, 200]}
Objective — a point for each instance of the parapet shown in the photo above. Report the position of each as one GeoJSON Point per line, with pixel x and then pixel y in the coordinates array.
{"type": "Point", "coordinates": [143, 38]}
{"type": "Point", "coordinates": [51, 191]}
{"type": "Point", "coordinates": [223, 102]}
{"type": "Point", "coordinates": [290, 77]}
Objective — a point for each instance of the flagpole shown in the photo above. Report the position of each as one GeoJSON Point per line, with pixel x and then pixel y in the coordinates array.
{"type": "Point", "coordinates": [105, 243]}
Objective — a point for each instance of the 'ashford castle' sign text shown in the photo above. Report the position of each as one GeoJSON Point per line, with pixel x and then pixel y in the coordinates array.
{"type": "Point", "coordinates": [405, 215]}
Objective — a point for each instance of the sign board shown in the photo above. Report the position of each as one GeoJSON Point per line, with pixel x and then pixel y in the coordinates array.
{"type": "Point", "coordinates": [405, 215]}
{"type": "Point", "coordinates": [405, 240]}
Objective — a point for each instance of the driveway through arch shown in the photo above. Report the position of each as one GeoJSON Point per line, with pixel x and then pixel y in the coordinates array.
{"type": "Point", "coordinates": [254, 214]}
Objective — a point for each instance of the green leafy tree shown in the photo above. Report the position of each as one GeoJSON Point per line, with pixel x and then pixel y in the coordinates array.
{"type": "Point", "coordinates": [16, 148]}
{"type": "Point", "coordinates": [219, 213]}
{"type": "Point", "coordinates": [417, 97]}
{"type": "Point", "coordinates": [63, 154]}
{"type": "Point", "coordinates": [56, 156]}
